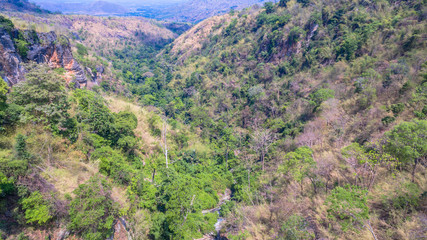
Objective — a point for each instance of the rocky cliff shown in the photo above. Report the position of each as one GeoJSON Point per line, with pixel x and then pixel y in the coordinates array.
{"type": "Point", "coordinates": [11, 69]}
{"type": "Point", "coordinates": [16, 48]}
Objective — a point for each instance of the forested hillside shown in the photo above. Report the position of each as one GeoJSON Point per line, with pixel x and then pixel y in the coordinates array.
{"type": "Point", "coordinates": [302, 119]}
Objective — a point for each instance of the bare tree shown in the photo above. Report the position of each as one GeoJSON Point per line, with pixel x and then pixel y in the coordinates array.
{"type": "Point", "coordinates": [164, 143]}
{"type": "Point", "coordinates": [262, 139]}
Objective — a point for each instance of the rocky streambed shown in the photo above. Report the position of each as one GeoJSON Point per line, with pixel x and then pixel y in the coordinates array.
{"type": "Point", "coordinates": [224, 198]}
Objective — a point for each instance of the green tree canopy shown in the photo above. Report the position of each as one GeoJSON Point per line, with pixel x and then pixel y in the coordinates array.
{"type": "Point", "coordinates": [42, 95]}
{"type": "Point", "coordinates": [92, 211]}
{"type": "Point", "coordinates": [408, 142]}
{"type": "Point", "coordinates": [37, 209]}
{"type": "Point", "coordinates": [348, 206]}
{"type": "Point", "coordinates": [298, 164]}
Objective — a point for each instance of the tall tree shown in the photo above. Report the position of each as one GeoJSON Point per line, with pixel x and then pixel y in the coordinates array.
{"type": "Point", "coordinates": [408, 143]}
{"type": "Point", "coordinates": [299, 164]}
{"type": "Point", "coordinates": [42, 95]}
{"type": "Point", "coordinates": [262, 139]}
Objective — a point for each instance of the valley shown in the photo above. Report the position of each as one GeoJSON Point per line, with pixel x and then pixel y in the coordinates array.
{"type": "Point", "coordinates": [294, 119]}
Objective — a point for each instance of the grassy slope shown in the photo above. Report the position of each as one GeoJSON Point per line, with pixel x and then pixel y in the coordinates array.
{"type": "Point", "coordinates": [65, 166]}
{"type": "Point", "coordinates": [351, 116]}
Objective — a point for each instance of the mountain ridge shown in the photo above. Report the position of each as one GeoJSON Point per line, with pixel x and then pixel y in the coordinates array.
{"type": "Point", "coordinates": [311, 115]}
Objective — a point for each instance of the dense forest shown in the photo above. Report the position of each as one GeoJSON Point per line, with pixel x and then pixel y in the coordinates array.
{"type": "Point", "coordinates": [301, 119]}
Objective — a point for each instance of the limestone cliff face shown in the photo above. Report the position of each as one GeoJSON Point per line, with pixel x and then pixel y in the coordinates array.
{"type": "Point", "coordinates": [45, 48]}
{"type": "Point", "coordinates": [11, 68]}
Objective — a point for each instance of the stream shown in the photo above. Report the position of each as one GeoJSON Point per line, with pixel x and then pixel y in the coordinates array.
{"type": "Point", "coordinates": [220, 222]}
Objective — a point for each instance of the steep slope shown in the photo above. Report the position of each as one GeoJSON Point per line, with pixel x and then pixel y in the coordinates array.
{"type": "Point", "coordinates": [320, 75]}
{"type": "Point", "coordinates": [311, 113]}
{"type": "Point", "coordinates": [94, 40]}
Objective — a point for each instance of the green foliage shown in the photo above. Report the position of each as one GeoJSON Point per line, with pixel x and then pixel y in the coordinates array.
{"type": "Point", "coordinates": [269, 7]}
{"type": "Point", "coordinates": [63, 40]}
{"type": "Point", "coordinates": [406, 196]}
{"type": "Point", "coordinates": [283, 3]}
{"type": "Point", "coordinates": [3, 91]}
{"type": "Point", "coordinates": [253, 74]}
{"type": "Point", "coordinates": [7, 24]}
{"type": "Point", "coordinates": [397, 108]}
{"type": "Point", "coordinates": [92, 211]}
{"type": "Point", "coordinates": [113, 163]}
{"type": "Point", "coordinates": [183, 199]}
{"type": "Point", "coordinates": [81, 49]}
{"type": "Point", "coordinates": [227, 208]}
{"type": "Point", "coordinates": [21, 147]}
{"type": "Point", "coordinates": [321, 95]}
{"type": "Point", "coordinates": [42, 96]}
{"type": "Point", "coordinates": [387, 120]}
{"type": "Point", "coordinates": [22, 47]}
{"type": "Point", "coordinates": [408, 141]}
{"type": "Point", "coordinates": [92, 110]}
{"type": "Point", "coordinates": [37, 209]}
{"type": "Point", "coordinates": [7, 186]}
{"type": "Point", "coordinates": [304, 2]}
{"type": "Point", "coordinates": [298, 164]}
{"type": "Point", "coordinates": [276, 21]}
{"type": "Point", "coordinates": [231, 29]}
{"type": "Point", "coordinates": [3, 105]}
{"type": "Point", "coordinates": [143, 193]}
{"type": "Point", "coordinates": [348, 206]}
{"type": "Point", "coordinates": [295, 228]}
{"type": "Point", "coordinates": [11, 166]}
{"type": "Point", "coordinates": [295, 35]}
{"type": "Point", "coordinates": [348, 46]}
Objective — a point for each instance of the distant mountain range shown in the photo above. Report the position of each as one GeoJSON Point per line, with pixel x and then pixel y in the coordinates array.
{"type": "Point", "coordinates": [86, 7]}
{"type": "Point", "coordinates": [180, 11]}
{"type": "Point", "coordinates": [195, 10]}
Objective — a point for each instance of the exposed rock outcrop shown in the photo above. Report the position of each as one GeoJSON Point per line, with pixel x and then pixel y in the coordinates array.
{"type": "Point", "coordinates": [45, 48]}
{"type": "Point", "coordinates": [11, 68]}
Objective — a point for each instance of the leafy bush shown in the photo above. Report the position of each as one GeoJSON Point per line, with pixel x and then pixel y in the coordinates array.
{"type": "Point", "coordinates": [408, 196]}
{"type": "Point", "coordinates": [81, 49]}
{"type": "Point", "coordinates": [304, 2]}
{"type": "Point", "coordinates": [42, 95]}
{"type": "Point", "coordinates": [144, 193]}
{"type": "Point", "coordinates": [295, 228]}
{"type": "Point", "coordinates": [407, 142]}
{"type": "Point", "coordinates": [295, 35]}
{"type": "Point", "coordinates": [21, 147]}
{"type": "Point", "coordinates": [348, 46]}
{"type": "Point", "coordinates": [348, 206]}
{"type": "Point", "coordinates": [299, 164]}
{"type": "Point", "coordinates": [112, 163]}
{"type": "Point", "coordinates": [7, 186]}
{"type": "Point", "coordinates": [387, 120]}
{"type": "Point", "coordinates": [283, 3]}
{"type": "Point", "coordinates": [397, 108]}
{"type": "Point", "coordinates": [113, 127]}
{"type": "Point", "coordinates": [92, 211]}
{"type": "Point", "coordinates": [22, 47]}
{"type": "Point", "coordinates": [37, 209]}
{"type": "Point", "coordinates": [322, 95]}
{"type": "Point", "coordinates": [269, 7]}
